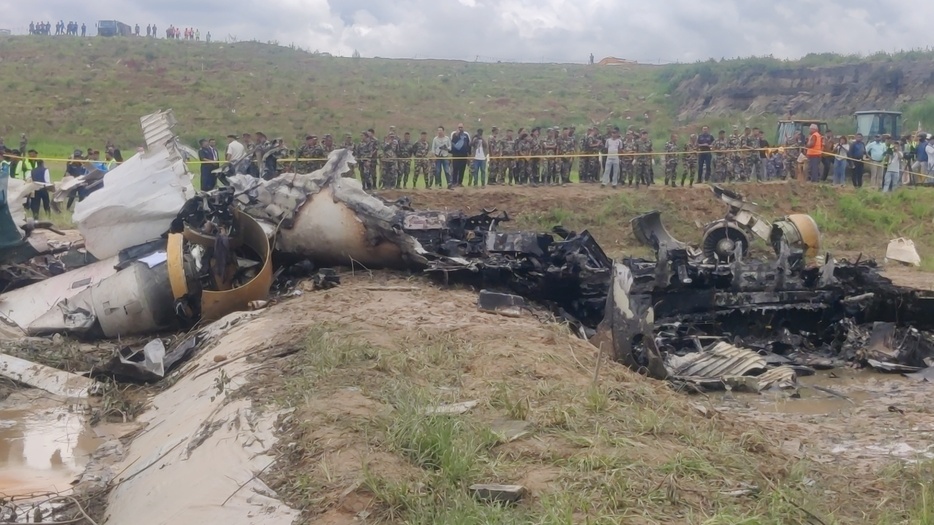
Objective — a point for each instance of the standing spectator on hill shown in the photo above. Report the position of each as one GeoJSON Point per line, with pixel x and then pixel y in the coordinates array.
{"type": "Point", "coordinates": [421, 150]}
{"type": "Point", "coordinates": [208, 157]}
{"type": "Point", "coordinates": [441, 151]}
{"type": "Point", "coordinates": [929, 149]}
{"type": "Point", "coordinates": [613, 145]}
{"type": "Point", "coordinates": [155, 34]}
{"type": "Point", "coordinates": [876, 152]}
{"type": "Point", "coordinates": [84, 29]}
{"type": "Point", "coordinates": [921, 158]}
{"type": "Point", "coordinates": [892, 175]}
{"type": "Point", "coordinates": [207, 37]}
{"type": "Point", "coordinates": [40, 175]}
{"type": "Point", "coordinates": [827, 160]}
{"type": "Point", "coordinates": [136, 29]}
{"type": "Point", "coordinates": [460, 150]}
{"type": "Point", "coordinates": [856, 154]}
{"type": "Point", "coordinates": [841, 152]}
{"type": "Point", "coordinates": [763, 147]}
{"type": "Point", "coordinates": [479, 148]}
{"type": "Point", "coordinates": [814, 152]}
{"type": "Point", "coordinates": [704, 157]}
{"type": "Point", "coordinates": [235, 150]}
{"type": "Point", "coordinates": [909, 150]}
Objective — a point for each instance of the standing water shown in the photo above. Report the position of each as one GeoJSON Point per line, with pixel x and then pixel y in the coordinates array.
{"type": "Point", "coordinates": [44, 445]}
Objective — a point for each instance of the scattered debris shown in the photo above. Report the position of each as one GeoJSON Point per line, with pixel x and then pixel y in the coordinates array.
{"type": "Point", "coordinates": [902, 250]}
{"type": "Point", "coordinates": [745, 489]}
{"type": "Point", "coordinates": [728, 239]}
{"type": "Point", "coordinates": [326, 278]}
{"type": "Point", "coordinates": [52, 380]}
{"type": "Point", "coordinates": [926, 374]}
{"type": "Point", "coordinates": [501, 303]}
{"type": "Point", "coordinates": [152, 362]}
{"type": "Point", "coordinates": [510, 430]}
{"type": "Point", "coordinates": [452, 409]}
{"type": "Point", "coordinates": [498, 493]}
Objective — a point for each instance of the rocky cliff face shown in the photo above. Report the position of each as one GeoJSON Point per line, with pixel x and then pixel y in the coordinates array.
{"type": "Point", "coordinates": [822, 92]}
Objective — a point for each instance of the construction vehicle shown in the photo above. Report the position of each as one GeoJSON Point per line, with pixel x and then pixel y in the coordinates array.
{"type": "Point", "coordinates": [787, 128]}
{"type": "Point", "coordinates": [113, 28]}
{"type": "Point", "coordinates": [878, 122]}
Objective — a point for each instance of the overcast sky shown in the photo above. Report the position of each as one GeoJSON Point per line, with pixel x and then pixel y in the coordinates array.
{"type": "Point", "coordinates": [523, 30]}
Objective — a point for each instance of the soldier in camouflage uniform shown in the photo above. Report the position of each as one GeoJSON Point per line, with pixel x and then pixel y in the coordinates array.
{"type": "Point", "coordinates": [792, 150]}
{"type": "Point", "coordinates": [626, 158]}
{"type": "Point", "coordinates": [369, 150]}
{"type": "Point", "coordinates": [690, 159]}
{"type": "Point", "coordinates": [565, 150]}
{"type": "Point", "coordinates": [644, 159]}
{"type": "Point", "coordinates": [601, 159]}
{"type": "Point", "coordinates": [594, 146]}
{"type": "Point", "coordinates": [523, 162]}
{"type": "Point", "coordinates": [421, 150]}
{"type": "Point", "coordinates": [751, 144]}
{"type": "Point", "coordinates": [584, 148]}
{"type": "Point", "coordinates": [496, 163]}
{"type": "Point", "coordinates": [737, 160]}
{"type": "Point", "coordinates": [552, 172]}
{"type": "Point", "coordinates": [535, 165]}
{"type": "Point", "coordinates": [389, 162]}
{"type": "Point", "coordinates": [672, 152]}
{"type": "Point", "coordinates": [349, 145]}
{"type": "Point", "coordinates": [327, 143]}
{"type": "Point", "coordinates": [405, 160]}
{"type": "Point", "coordinates": [721, 157]}
{"type": "Point", "coordinates": [305, 154]}
{"type": "Point", "coordinates": [508, 147]}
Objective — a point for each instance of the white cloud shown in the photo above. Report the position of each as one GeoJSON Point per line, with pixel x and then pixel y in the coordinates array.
{"type": "Point", "coordinates": [527, 30]}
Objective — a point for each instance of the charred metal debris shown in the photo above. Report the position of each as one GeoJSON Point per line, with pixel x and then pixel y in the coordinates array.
{"type": "Point", "coordinates": [701, 317]}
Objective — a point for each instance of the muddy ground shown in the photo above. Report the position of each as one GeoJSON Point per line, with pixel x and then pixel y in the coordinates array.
{"type": "Point", "coordinates": [685, 458]}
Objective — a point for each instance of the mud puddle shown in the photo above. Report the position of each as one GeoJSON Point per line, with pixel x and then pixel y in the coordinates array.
{"type": "Point", "coordinates": [846, 414]}
{"type": "Point", "coordinates": [44, 445]}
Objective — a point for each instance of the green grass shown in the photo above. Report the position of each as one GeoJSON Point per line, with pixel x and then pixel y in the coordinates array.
{"type": "Point", "coordinates": [621, 451]}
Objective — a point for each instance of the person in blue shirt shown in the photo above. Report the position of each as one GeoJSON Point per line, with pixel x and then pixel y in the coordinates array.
{"type": "Point", "coordinates": [856, 154]}
{"type": "Point", "coordinates": [40, 175]}
{"type": "Point", "coordinates": [74, 168]}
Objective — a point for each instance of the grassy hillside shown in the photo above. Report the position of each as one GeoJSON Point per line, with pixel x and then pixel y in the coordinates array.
{"type": "Point", "coordinates": [69, 93]}
{"type": "Point", "coordinates": [81, 91]}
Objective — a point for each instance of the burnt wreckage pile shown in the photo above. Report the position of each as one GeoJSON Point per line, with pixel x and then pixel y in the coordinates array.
{"type": "Point", "coordinates": [702, 316]}
{"type": "Point", "coordinates": [564, 269]}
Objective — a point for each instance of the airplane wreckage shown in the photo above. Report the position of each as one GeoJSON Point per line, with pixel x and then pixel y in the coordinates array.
{"type": "Point", "coordinates": [160, 256]}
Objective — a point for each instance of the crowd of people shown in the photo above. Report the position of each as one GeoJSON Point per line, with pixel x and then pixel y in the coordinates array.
{"type": "Point", "coordinates": [612, 158]}
{"type": "Point", "coordinates": [61, 28]}
{"type": "Point", "coordinates": [529, 157]}
{"type": "Point", "coordinates": [24, 163]}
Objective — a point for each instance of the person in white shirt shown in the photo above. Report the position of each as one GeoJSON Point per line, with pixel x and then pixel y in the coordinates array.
{"type": "Point", "coordinates": [235, 150]}
{"type": "Point", "coordinates": [611, 171]}
{"type": "Point", "coordinates": [478, 150]}
{"type": "Point", "coordinates": [441, 150]}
